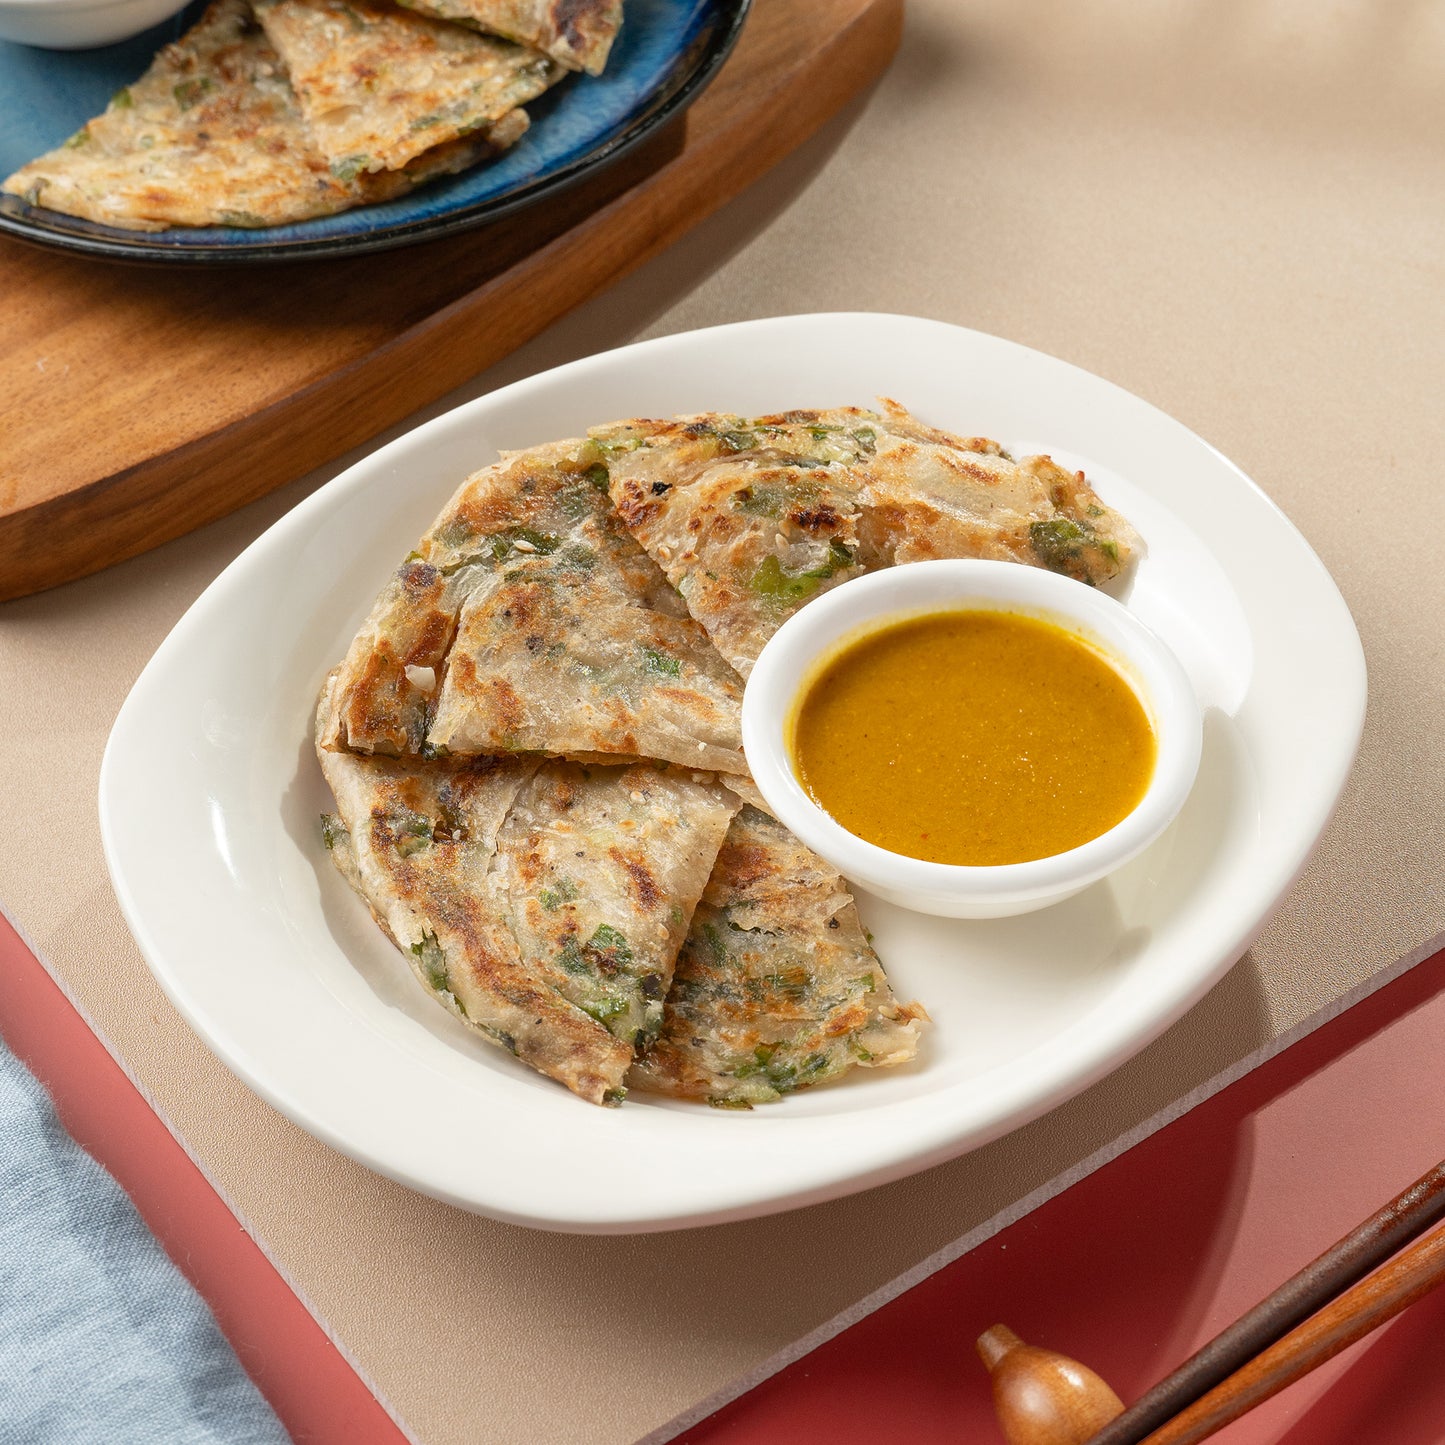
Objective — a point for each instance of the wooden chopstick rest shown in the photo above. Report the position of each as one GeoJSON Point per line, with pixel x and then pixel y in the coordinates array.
{"type": "Point", "coordinates": [1043, 1398]}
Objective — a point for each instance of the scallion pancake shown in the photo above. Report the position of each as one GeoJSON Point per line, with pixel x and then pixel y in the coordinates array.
{"type": "Point", "coordinates": [380, 85]}
{"type": "Point", "coordinates": [751, 518]}
{"type": "Point", "coordinates": [579, 33]}
{"type": "Point", "coordinates": [210, 135]}
{"type": "Point", "coordinates": [527, 620]}
{"type": "Point", "coordinates": [777, 987]}
{"type": "Point", "coordinates": [544, 907]}
{"type": "Point", "coordinates": [599, 870]}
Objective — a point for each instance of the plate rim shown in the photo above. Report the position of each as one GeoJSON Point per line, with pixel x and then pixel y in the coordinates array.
{"type": "Point", "coordinates": [943, 1145]}
{"type": "Point", "coordinates": [112, 243]}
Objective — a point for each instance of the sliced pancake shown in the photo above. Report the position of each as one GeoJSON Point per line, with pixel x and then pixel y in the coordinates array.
{"type": "Point", "coordinates": [543, 907]}
{"type": "Point", "coordinates": [748, 518]}
{"type": "Point", "coordinates": [417, 843]}
{"type": "Point", "coordinates": [380, 85]}
{"type": "Point", "coordinates": [579, 33]}
{"type": "Point", "coordinates": [930, 495]}
{"type": "Point", "coordinates": [599, 870]}
{"type": "Point", "coordinates": [777, 987]}
{"type": "Point", "coordinates": [212, 134]}
{"type": "Point", "coordinates": [753, 518]}
{"type": "Point", "coordinates": [529, 621]}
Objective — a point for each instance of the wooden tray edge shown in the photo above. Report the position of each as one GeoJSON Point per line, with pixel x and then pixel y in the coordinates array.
{"type": "Point", "coordinates": [120, 516]}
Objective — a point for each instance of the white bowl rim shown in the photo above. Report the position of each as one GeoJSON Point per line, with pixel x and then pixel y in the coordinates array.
{"type": "Point", "coordinates": [158, 9]}
{"type": "Point", "coordinates": [854, 608]}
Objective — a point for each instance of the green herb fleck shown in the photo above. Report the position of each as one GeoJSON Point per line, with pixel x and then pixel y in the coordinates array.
{"type": "Point", "coordinates": [606, 952]}
{"type": "Point", "coordinates": [759, 501]}
{"type": "Point", "coordinates": [80, 138]}
{"type": "Point", "coordinates": [333, 830]}
{"type": "Point", "coordinates": [189, 92]}
{"type": "Point", "coordinates": [660, 664]}
{"type": "Point", "coordinates": [433, 961]}
{"type": "Point", "coordinates": [411, 832]}
{"type": "Point", "coordinates": [777, 585]}
{"type": "Point", "coordinates": [605, 1010]}
{"type": "Point", "coordinates": [715, 944]}
{"type": "Point", "coordinates": [552, 899]}
{"type": "Point", "coordinates": [122, 99]}
{"type": "Point", "coordinates": [1064, 545]}
{"type": "Point", "coordinates": [596, 474]}
{"type": "Point", "coordinates": [609, 948]}
{"type": "Point", "coordinates": [348, 168]}
{"type": "Point", "coordinates": [618, 444]}
{"type": "Point", "coordinates": [504, 543]}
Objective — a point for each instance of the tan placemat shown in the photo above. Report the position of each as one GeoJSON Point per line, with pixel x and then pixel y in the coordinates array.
{"type": "Point", "coordinates": [1235, 214]}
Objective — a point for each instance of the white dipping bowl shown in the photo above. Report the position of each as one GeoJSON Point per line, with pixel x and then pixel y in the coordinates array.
{"type": "Point", "coordinates": [80, 24]}
{"type": "Point", "coordinates": [809, 639]}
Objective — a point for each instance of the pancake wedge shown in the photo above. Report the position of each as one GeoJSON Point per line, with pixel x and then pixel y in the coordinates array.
{"type": "Point", "coordinates": [748, 518]}
{"type": "Point", "coordinates": [543, 906]}
{"type": "Point", "coordinates": [417, 844]}
{"type": "Point", "coordinates": [929, 494]}
{"type": "Point", "coordinates": [212, 134]}
{"type": "Point", "coordinates": [528, 620]}
{"type": "Point", "coordinates": [751, 518]}
{"type": "Point", "coordinates": [578, 33]}
{"type": "Point", "coordinates": [380, 86]}
{"type": "Point", "coordinates": [599, 870]}
{"type": "Point", "coordinates": [777, 987]}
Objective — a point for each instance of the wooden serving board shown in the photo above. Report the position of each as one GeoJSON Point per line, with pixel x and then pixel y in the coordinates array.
{"type": "Point", "coordinates": [137, 403]}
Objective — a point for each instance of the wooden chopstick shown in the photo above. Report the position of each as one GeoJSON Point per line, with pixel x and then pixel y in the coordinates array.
{"type": "Point", "coordinates": [1327, 1278]}
{"type": "Point", "coordinates": [1411, 1274]}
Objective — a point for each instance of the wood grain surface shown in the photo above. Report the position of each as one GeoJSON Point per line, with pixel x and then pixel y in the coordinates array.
{"type": "Point", "coordinates": [140, 403]}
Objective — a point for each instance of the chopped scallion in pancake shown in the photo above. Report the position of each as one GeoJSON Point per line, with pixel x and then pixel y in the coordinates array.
{"type": "Point", "coordinates": [600, 869]}
{"type": "Point", "coordinates": [753, 518]}
{"type": "Point", "coordinates": [543, 906]}
{"type": "Point", "coordinates": [777, 987]}
{"type": "Point", "coordinates": [211, 135]}
{"type": "Point", "coordinates": [380, 85]}
{"type": "Point", "coordinates": [529, 621]}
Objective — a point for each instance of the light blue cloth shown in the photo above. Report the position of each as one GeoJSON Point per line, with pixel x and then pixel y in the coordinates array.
{"type": "Point", "coordinates": [102, 1339]}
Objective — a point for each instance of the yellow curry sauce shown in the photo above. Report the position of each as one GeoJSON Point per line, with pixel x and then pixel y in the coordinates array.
{"type": "Point", "coordinates": [975, 737]}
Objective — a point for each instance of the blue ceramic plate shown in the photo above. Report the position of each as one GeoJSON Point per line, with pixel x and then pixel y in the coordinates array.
{"type": "Point", "coordinates": [664, 56]}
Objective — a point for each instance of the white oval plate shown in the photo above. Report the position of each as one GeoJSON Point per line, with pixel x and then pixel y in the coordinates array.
{"type": "Point", "coordinates": [209, 796]}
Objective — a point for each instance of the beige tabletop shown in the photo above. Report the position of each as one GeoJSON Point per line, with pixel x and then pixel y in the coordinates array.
{"type": "Point", "coordinates": [1236, 212]}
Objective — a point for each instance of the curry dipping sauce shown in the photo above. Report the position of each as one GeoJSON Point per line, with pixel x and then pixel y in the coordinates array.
{"type": "Point", "coordinates": [972, 737]}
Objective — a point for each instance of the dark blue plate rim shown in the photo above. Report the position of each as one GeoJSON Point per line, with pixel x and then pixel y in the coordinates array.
{"type": "Point", "coordinates": [33, 223]}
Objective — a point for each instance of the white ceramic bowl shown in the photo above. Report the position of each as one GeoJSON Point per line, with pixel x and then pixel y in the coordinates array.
{"type": "Point", "coordinates": [793, 653]}
{"type": "Point", "coordinates": [80, 24]}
